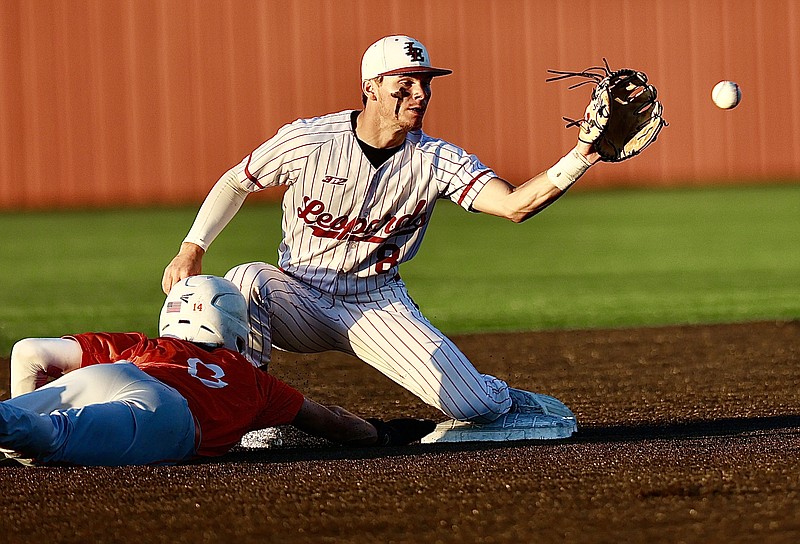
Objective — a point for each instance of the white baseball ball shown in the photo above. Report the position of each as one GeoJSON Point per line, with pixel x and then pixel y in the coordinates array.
{"type": "Point", "coordinates": [726, 94]}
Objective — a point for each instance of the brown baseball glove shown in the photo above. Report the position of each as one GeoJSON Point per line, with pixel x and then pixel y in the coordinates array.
{"type": "Point", "coordinates": [623, 116]}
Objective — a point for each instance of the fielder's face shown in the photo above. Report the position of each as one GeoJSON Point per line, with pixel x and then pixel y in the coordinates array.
{"type": "Point", "coordinates": [402, 100]}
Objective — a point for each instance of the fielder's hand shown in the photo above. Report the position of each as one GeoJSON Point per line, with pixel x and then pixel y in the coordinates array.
{"type": "Point", "coordinates": [588, 151]}
{"type": "Point", "coordinates": [188, 262]}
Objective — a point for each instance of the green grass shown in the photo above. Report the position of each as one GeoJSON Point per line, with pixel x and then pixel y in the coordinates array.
{"type": "Point", "coordinates": [595, 259]}
{"type": "Point", "coordinates": [618, 259]}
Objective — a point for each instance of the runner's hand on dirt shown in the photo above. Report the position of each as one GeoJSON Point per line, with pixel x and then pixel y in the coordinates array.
{"type": "Point", "coordinates": [403, 431]}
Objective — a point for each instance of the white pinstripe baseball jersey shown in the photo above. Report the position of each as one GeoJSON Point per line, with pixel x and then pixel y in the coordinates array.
{"type": "Point", "coordinates": [347, 225]}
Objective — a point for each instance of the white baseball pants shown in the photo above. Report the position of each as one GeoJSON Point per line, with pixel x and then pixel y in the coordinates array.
{"type": "Point", "coordinates": [384, 328]}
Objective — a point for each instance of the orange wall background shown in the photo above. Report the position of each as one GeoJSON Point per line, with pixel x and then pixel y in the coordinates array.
{"type": "Point", "coordinates": [135, 102]}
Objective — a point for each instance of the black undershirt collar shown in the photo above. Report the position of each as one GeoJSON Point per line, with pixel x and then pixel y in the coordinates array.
{"type": "Point", "coordinates": [374, 155]}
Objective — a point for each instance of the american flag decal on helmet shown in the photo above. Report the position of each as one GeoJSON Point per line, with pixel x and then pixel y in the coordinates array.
{"type": "Point", "coordinates": [173, 307]}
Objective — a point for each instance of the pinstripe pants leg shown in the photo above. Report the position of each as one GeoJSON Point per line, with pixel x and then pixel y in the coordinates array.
{"type": "Point", "coordinates": [383, 328]}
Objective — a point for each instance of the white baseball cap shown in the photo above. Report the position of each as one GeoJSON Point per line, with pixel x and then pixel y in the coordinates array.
{"type": "Point", "coordinates": [395, 55]}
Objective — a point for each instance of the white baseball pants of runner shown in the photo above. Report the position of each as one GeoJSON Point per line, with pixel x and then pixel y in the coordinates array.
{"type": "Point", "coordinates": [384, 328]}
{"type": "Point", "coordinates": [106, 414]}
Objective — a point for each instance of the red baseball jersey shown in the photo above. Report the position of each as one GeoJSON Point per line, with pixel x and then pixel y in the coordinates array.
{"type": "Point", "coordinates": [226, 394]}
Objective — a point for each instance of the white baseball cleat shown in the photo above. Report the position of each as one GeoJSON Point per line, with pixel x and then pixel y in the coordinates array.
{"type": "Point", "coordinates": [525, 402]}
{"type": "Point", "coordinates": [11, 458]}
{"type": "Point", "coordinates": [512, 426]}
{"type": "Point", "coordinates": [532, 416]}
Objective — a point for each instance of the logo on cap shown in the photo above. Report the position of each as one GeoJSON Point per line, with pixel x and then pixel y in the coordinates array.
{"type": "Point", "coordinates": [415, 53]}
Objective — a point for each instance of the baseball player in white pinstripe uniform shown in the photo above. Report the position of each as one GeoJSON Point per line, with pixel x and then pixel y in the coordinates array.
{"type": "Point", "coordinates": [361, 187]}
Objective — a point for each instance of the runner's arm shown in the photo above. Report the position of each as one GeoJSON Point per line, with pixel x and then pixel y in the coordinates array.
{"type": "Point", "coordinates": [34, 361]}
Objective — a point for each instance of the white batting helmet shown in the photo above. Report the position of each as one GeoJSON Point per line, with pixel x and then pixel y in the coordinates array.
{"type": "Point", "coordinates": [206, 310]}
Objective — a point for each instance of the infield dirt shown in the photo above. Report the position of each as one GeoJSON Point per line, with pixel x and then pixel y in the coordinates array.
{"type": "Point", "coordinates": [687, 434]}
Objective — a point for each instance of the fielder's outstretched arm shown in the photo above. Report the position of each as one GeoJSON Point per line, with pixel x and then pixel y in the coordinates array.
{"type": "Point", "coordinates": [219, 207]}
{"type": "Point", "coordinates": [518, 204]}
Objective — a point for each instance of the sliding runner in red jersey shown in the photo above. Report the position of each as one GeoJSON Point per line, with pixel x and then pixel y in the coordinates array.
{"type": "Point", "coordinates": [124, 399]}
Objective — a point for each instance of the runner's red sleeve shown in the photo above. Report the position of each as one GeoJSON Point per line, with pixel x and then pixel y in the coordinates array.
{"type": "Point", "coordinates": [283, 405]}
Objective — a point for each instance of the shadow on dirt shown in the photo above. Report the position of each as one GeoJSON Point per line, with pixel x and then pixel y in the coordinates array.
{"type": "Point", "coordinates": [619, 433]}
{"type": "Point", "coordinates": [688, 429]}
